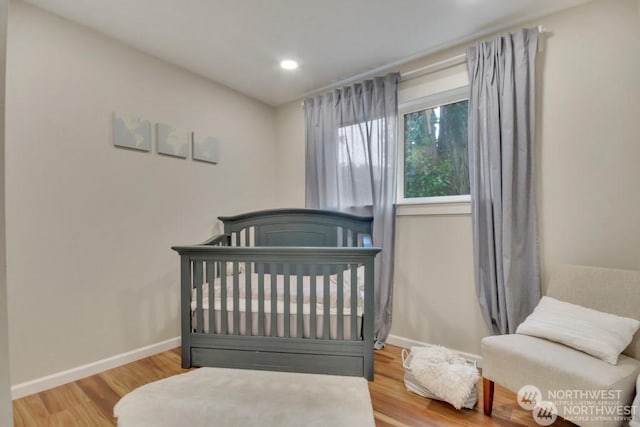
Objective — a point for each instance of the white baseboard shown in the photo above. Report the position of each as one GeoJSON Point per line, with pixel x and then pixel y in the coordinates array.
{"type": "Point", "coordinates": [407, 343]}
{"type": "Point", "coordinates": [74, 374]}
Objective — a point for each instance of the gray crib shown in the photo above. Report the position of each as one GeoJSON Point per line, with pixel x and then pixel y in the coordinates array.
{"type": "Point", "coordinates": [285, 289]}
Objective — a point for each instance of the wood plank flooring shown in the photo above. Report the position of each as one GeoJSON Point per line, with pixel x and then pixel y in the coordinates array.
{"type": "Point", "coordinates": [90, 401]}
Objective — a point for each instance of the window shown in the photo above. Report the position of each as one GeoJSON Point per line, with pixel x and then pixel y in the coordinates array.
{"type": "Point", "coordinates": [434, 165]}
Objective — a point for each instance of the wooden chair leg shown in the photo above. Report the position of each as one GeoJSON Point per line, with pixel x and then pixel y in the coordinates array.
{"type": "Point", "coordinates": [487, 394]}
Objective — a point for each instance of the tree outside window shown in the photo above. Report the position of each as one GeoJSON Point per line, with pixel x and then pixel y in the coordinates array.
{"type": "Point", "coordinates": [435, 151]}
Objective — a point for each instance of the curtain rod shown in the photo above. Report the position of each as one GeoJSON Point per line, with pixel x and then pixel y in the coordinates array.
{"type": "Point", "coordinates": [446, 63]}
{"type": "Point", "coordinates": [436, 66]}
{"type": "Point", "coordinates": [431, 68]}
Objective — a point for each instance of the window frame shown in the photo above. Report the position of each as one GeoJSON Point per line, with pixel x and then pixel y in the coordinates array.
{"type": "Point", "coordinates": [441, 98]}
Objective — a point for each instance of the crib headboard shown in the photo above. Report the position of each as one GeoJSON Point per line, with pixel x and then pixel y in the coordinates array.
{"type": "Point", "coordinates": [298, 227]}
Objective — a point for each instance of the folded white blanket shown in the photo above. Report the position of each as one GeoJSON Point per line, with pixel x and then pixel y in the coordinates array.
{"type": "Point", "coordinates": [444, 373]}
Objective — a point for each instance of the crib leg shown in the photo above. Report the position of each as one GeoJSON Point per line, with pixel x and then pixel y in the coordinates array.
{"type": "Point", "coordinates": [186, 357]}
{"type": "Point", "coordinates": [487, 393]}
{"type": "Point", "coordinates": [185, 352]}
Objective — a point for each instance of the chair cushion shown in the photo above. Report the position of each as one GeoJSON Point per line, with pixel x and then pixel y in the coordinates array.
{"type": "Point", "coordinates": [517, 360]}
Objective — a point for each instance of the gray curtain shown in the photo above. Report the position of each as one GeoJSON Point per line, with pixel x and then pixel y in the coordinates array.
{"type": "Point", "coordinates": [351, 167]}
{"type": "Point", "coordinates": [502, 177]}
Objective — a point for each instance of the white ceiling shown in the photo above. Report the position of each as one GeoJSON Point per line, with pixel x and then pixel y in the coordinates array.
{"type": "Point", "coordinates": [239, 43]}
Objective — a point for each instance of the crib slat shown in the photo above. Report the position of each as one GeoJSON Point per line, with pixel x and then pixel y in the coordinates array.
{"type": "Point", "coordinates": [209, 271]}
{"type": "Point", "coordinates": [274, 301]}
{"type": "Point", "coordinates": [210, 296]}
{"type": "Point", "coordinates": [345, 237]}
{"type": "Point", "coordinates": [223, 299]}
{"type": "Point", "coordinates": [313, 331]}
{"type": "Point", "coordinates": [260, 270]}
{"type": "Point", "coordinates": [340, 304]}
{"type": "Point", "coordinates": [238, 238]}
{"type": "Point", "coordinates": [197, 278]}
{"type": "Point", "coordinates": [247, 297]}
{"type": "Point", "coordinates": [354, 302]}
{"type": "Point", "coordinates": [247, 236]}
{"type": "Point", "coordinates": [299, 305]}
{"type": "Point", "coordinates": [236, 300]}
{"type": "Point", "coordinates": [186, 322]}
{"type": "Point", "coordinates": [367, 323]}
{"type": "Point", "coordinates": [326, 302]}
{"type": "Point", "coordinates": [287, 299]}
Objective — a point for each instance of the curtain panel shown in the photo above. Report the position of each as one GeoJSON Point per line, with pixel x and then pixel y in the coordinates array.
{"type": "Point", "coordinates": [502, 177]}
{"type": "Point", "coordinates": [351, 149]}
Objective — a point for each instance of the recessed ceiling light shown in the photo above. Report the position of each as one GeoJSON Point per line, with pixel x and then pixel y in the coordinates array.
{"type": "Point", "coordinates": [288, 64]}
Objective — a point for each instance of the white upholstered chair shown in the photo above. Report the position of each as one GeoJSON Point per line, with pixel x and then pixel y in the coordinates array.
{"type": "Point", "coordinates": [517, 360]}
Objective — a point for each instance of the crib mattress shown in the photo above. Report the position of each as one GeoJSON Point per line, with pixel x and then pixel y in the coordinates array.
{"type": "Point", "coordinates": [280, 304]}
{"type": "Point", "coordinates": [280, 288]}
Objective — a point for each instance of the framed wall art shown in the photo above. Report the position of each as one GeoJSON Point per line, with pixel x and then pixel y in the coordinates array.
{"type": "Point", "coordinates": [131, 132]}
{"type": "Point", "coordinates": [172, 141]}
{"type": "Point", "coordinates": [206, 148]}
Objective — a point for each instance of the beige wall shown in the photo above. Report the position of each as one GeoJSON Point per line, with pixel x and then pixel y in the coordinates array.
{"type": "Point", "coordinates": [90, 270]}
{"type": "Point", "coordinates": [589, 137]}
{"type": "Point", "coordinates": [5, 380]}
{"type": "Point", "coordinates": [588, 127]}
{"type": "Point", "coordinates": [434, 295]}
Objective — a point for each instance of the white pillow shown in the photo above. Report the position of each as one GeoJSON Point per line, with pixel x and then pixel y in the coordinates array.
{"type": "Point", "coordinates": [635, 415]}
{"type": "Point", "coordinates": [599, 334]}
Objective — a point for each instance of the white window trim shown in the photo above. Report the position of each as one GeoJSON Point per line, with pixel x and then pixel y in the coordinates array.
{"type": "Point", "coordinates": [448, 207]}
{"type": "Point", "coordinates": [442, 205]}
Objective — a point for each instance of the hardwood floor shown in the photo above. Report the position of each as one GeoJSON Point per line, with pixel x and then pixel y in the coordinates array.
{"type": "Point", "coordinates": [90, 401]}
